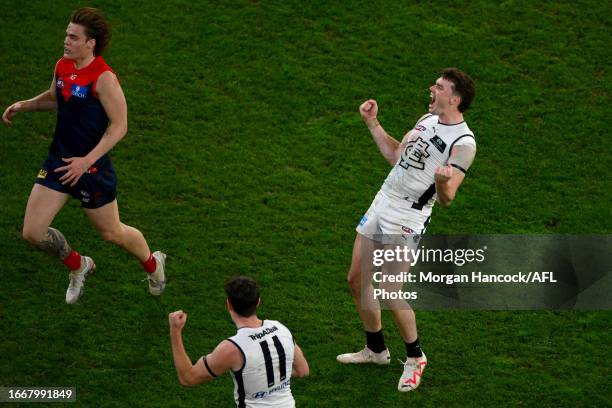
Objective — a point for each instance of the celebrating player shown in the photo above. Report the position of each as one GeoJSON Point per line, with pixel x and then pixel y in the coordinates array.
{"type": "Point", "coordinates": [262, 356]}
{"type": "Point", "coordinates": [428, 165]}
{"type": "Point", "coordinates": [91, 119]}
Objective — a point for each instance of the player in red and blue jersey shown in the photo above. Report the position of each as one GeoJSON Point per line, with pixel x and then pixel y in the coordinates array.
{"type": "Point", "coordinates": [91, 119]}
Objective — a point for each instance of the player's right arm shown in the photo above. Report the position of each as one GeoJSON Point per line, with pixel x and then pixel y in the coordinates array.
{"type": "Point", "coordinates": [389, 147]}
{"type": "Point", "coordinates": [224, 357]}
{"type": "Point", "coordinates": [300, 365]}
{"type": "Point", "coordinates": [46, 101]}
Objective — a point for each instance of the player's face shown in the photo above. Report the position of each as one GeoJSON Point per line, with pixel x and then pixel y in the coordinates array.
{"type": "Point", "coordinates": [76, 44]}
{"type": "Point", "coordinates": [441, 96]}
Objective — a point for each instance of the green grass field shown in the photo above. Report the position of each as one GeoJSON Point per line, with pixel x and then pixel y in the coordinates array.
{"type": "Point", "coordinates": [246, 154]}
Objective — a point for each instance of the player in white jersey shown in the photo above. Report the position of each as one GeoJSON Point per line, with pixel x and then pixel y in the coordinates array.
{"type": "Point", "coordinates": [262, 356]}
{"type": "Point", "coordinates": [429, 165]}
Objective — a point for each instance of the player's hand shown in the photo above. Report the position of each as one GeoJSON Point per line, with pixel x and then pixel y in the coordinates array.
{"type": "Point", "coordinates": [8, 114]}
{"type": "Point", "coordinates": [177, 320]}
{"type": "Point", "coordinates": [443, 174]}
{"type": "Point", "coordinates": [74, 170]}
{"type": "Point", "coordinates": [368, 110]}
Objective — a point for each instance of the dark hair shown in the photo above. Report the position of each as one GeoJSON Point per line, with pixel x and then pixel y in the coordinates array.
{"type": "Point", "coordinates": [96, 26]}
{"type": "Point", "coordinates": [243, 294]}
{"type": "Point", "coordinates": [463, 86]}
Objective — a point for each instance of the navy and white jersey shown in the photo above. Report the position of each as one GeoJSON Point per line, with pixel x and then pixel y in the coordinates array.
{"type": "Point", "coordinates": [265, 378]}
{"type": "Point", "coordinates": [429, 147]}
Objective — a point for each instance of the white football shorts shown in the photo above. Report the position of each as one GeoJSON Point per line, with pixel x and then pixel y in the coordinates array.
{"type": "Point", "coordinates": [391, 220]}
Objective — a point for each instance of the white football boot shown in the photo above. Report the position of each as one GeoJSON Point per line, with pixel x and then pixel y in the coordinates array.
{"type": "Point", "coordinates": [413, 371]}
{"type": "Point", "coordinates": [157, 279]}
{"type": "Point", "coordinates": [77, 279]}
{"type": "Point", "coordinates": [365, 356]}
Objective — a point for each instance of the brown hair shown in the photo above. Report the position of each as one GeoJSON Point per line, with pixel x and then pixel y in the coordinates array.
{"type": "Point", "coordinates": [96, 26]}
{"type": "Point", "coordinates": [243, 294]}
{"type": "Point", "coordinates": [463, 86]}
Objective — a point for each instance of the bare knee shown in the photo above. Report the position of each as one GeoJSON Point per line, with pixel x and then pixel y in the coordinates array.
{"type": "Point", "coordinates": [32, 235]}
{"type": "Point", "coordinates": [112, 236]}
{"type": "Point", "coordinates": [354, 281]}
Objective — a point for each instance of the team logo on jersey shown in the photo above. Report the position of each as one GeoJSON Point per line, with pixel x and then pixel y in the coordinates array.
{"type": "Point", "coordinates": [79, 91]}
{"type": "Point", "coordinates": [42, 174]}
{"type": "Point", "coordinates": [415, 154]}
{"type": "Point", "coordinates": [420, 128]}
{"type": "Point", "coordinates": [72, 77]}
{"type": "Point", "coordinates": [439, 143]}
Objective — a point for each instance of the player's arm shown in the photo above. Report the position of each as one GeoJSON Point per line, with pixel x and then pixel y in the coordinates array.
{"type": "Point", "coordinates": [389, 146]}
{"type": "Point", "coordinates": [448, 178]}
{"type": "Point", "coordinates": [224, 357]}
{"type": "Point", "coordinates": [300, 365]}
{"type": "Point", "coordinates": [113, 101]}
{"type": "Point", "coordinates": [46, 101]}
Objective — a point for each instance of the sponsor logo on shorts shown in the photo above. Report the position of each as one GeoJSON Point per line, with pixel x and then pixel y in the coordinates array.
{"type": "Point", "coordinates": [85, 199]}
{"type": "Point", "coordinates": [60, 83]}
{"type": "Point", "coordinates": [364, 219]}
{"type": "Point", "coordinates": [407, 230]}
{"type": "Point", "coordinates": [410, 233]}
{"type": "Point", "coordinates": [42, 174]}
{"type": "Point", "coordinates": [84, 193]}
{"type": "Point", "coordinates": [92, 170]}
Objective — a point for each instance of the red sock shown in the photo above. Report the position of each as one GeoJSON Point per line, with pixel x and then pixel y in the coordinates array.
{"type": "Point", "coordinates": [150, 264]}
{"type": "Point", "coordinates": [72, 261]}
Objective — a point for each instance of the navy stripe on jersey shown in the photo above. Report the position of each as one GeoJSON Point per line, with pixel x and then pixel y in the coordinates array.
{"type": "Point", "coordinates": [451, 124]}
{"type": "Point", "coordinates": [268, 360]}
{"type": "Point", "coordinates": [238, 377]}
{"type": "Point", "coordinates": [282, 361]}
{"type": "Point", "coordinates": [425, 197]}
{"type": "Point", "coordinates": [241, 403]}
{"type": "Point", "coordinates": [425, 224]}
{"type": "Point", "coordinates": [242, 352]}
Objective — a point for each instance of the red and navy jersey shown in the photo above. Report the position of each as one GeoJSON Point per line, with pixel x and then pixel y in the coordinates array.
{"type": "Point", "coordinates": [81, 119]}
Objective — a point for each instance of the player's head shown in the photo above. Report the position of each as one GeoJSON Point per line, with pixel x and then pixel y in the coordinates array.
{"type": "Point", "coordinates": [88, 32]}
{"type": "Point", "coordinates": [454, 90]}
{"type": "Point", "coordinates": [242, 295]}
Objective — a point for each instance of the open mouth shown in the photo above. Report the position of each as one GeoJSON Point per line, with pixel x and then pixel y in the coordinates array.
{"type": "Point", "coordinates": [433, 99]}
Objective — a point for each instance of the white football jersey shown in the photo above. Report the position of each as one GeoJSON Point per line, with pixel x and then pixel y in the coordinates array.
{"type": "Point", "coordinates": [429, 147]}
{"type": "Point", "coordinates": [265, 377]}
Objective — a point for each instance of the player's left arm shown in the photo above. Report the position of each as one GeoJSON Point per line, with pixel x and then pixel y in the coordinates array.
{"type": "Point", "coordinates": [448, 178]}
{"type": "Point", "coordinates": [113, 101]}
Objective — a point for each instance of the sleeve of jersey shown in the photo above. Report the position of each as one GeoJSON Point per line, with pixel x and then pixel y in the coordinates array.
{"type": "Point", "coordinates": [462, 156]}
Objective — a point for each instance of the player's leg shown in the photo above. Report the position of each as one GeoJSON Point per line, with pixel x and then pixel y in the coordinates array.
{"type": "Point", "coordinates": [106, 221]}
{"type": "Point", "coordinates": [360, 282]}
{"type": "Point", "coordinates": [43, 205]}
{"type": "Point", "coordinates": [405, 319]}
